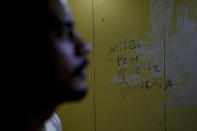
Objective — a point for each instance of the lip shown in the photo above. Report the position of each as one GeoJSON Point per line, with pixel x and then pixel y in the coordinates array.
{"type": "Point", "coordinates": [80, 71]}
{"type": "Point", "coordinates": [83, 73]}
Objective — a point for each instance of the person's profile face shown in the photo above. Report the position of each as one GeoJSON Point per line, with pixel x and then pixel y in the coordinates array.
{"type": "Point", "coordinates": [68, 49]}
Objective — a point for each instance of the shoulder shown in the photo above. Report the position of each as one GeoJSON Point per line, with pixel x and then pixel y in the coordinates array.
{"type": "Point", "coordinates": [53, 123]}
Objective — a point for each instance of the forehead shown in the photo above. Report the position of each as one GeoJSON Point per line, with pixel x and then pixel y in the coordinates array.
{"type": "Point", "coordinates": [61, 11]}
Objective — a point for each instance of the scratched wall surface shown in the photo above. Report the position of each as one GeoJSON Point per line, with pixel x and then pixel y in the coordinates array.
{"type": "Point", "coordinates": [142, 74]}
{"type": "Point", "coordinates": [128, 67]}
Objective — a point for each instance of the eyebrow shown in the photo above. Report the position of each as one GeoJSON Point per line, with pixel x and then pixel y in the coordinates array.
{"type": "Point", "coordinates": [67, 24]}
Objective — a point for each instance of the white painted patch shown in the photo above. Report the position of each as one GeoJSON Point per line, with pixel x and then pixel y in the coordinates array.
{"type": "Point", "coordinates": [181, 54]}
{"type": "Point", "coordinates": [180, 36]}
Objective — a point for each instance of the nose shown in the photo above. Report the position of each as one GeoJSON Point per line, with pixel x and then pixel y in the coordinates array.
{"type": "Point", "coordinates": [81, 47]}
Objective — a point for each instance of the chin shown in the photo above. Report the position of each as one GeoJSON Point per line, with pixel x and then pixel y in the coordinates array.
{"type": "Point", "coordinates": [76, 92]}
{"type": "Point", "coordinates": [79, 86]}
{"type": "Point", "coordinates": [70, 95]}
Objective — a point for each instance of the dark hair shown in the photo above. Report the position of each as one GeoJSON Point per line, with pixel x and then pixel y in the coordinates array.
{"type": "Point", "coordinates": [33, 77]}
{"type": "Point", "coordinates": [32, 47]}
{"type": "Point", "coordinates": [33, 62]}
{"type": "Point", "coordinates": [29, 60]}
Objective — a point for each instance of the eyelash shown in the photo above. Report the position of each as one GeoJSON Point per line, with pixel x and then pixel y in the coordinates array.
{"type": "Point", "coordinates": [65, 33]}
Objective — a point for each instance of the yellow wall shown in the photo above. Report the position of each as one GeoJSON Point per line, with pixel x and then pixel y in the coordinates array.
{"type": "Point", "coordinates": [142, 74]}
